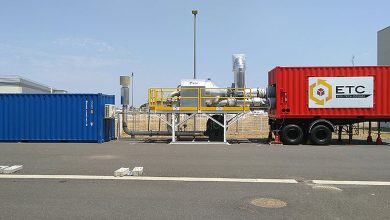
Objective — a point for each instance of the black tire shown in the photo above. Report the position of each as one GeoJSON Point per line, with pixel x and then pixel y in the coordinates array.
{"type": "Point", "coordinates": [321, 135]}
{"type": "Point", "coordinates": [292, 134]}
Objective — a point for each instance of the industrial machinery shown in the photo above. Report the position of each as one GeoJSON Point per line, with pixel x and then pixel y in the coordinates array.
{"type": "Point", "coordinates": [197, 96]}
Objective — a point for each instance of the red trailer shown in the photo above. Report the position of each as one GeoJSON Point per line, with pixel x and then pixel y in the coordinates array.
{"type": "Point", "coordinates": [309, 102]}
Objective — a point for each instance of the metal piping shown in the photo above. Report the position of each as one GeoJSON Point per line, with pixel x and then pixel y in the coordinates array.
{"type": "Point", "coordinates": [161, 133]}
{"type": "Point", "coordinates": [211, 102]}
{"type": "Point", "coordinates": [175, 93]}
{"type": "Point", "coordinates": [256, 92]}
{"type": "Point", "coordinates": [253, 102]}
{"type": "Point", "coordinates": [253, 92]}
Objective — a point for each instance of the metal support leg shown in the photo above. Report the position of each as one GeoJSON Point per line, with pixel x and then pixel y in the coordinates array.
{"type": "Point", "coordinates": [173, 128]}
{"type": "Point", "coordinates": [120, 122]}
{"type": "Point", "coordinates": [149, 120]}
{"type": "Point", "coordinates": [379, 139]}
{"type": "Point", "coordinates": [350, 131]}
{"type": "Point", "coordinates": [224, 128]}
{"type": "Point", "coordinates": [159, 123]}
{"type": "Point", "coordinates": [133, 114]}
{"type": "Point", "coordinates": [270, 135]}
{"type": "Point", "coordinates": [369, 138]}
{"type": "Point", "coordinates": [339, 133]}
{"type": "Point", "coordinates": [194, 126]}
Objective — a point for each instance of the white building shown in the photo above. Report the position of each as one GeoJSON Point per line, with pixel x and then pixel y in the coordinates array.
{"type": "Point", "coordinates": [17, 84]}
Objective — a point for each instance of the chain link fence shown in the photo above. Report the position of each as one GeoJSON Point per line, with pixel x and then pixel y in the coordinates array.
{"type": "Point", "coordinates": [251, 125]}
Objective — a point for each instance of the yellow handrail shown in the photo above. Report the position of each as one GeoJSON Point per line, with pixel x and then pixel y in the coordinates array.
{"type": "Point", "coordinates": [160, 99]}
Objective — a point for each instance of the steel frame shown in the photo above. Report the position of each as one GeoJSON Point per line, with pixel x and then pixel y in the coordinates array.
{"type": "Point", "coordinates": [173, 123]}
{"type": "Point", "coordinates": [224, 125]}
{"type": "Point", "coordinates": [176, 125]}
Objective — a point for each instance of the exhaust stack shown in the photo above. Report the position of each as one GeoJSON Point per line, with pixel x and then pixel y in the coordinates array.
{"type": "Point", "coordinates": [239, 70]}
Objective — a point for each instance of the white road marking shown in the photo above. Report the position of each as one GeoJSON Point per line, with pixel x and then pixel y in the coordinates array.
{"type": "Point", "coordinates": [12, 169]}
{"type": "Point", "coordinates": [192, 179]}
{"type": "Point", "coordinates": [148, 178]}
{"type": "Point", "coordinates": [326, 187]}
{"type": "Point", "coordinates": [363, 183]}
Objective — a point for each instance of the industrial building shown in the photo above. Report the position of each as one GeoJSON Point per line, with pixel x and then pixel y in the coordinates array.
{"type": "Point", "coordinates": [384, 47]}
{"type": "Point", "coordinates": [383, 55]}
{"type": "Point", "coordinates": [17, 84]}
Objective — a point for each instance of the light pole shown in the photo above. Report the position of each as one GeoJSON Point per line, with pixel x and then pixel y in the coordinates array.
{"type": "Point", "coordinates": [194, 12]}
{"type": "Point", "coordinates": [132, 99]}
{"type": "Point", "coordinates": [132, 90]}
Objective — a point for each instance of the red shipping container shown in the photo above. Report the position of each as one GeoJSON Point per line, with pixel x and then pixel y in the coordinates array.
{"type": "Point", "coordinates": [361, 92]}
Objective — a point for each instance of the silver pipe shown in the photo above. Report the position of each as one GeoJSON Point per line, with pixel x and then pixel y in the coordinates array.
{"type": "Point", "coordinates": [253, 92]}
{"type": "Point", "coordinates": [256, 92]}
{"type": "Point", "coordinates": [227, 102]}
{"type": "Point", "coordinates": [175, 93]}
{"type": "Point", "coordinates": [211, 102]}
{"type": "Point", "coordinates": [215, 92]}
{"type": "Point", "coordinates": [161, 133]}
{"type": "Point", "coordinates": [254, 102]}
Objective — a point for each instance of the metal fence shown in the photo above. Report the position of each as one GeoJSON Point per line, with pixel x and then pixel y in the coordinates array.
{"type": "Point", "coordinates": [252, 125]}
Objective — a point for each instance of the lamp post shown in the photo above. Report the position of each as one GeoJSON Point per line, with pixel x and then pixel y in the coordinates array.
{"type": "Point", "coordinates": [132, 90]}
{"type": "Point", "coordinates": [194, 12]}
{"type": "Point", "coordinates": [132, 99]}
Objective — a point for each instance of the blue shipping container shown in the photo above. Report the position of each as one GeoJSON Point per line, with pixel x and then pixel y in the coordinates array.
{"type": "Point", "coordinates": [55, 117]}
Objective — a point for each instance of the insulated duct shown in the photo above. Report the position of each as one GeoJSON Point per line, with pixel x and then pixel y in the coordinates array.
{"type": "Point", "coordinates": [253, 102]}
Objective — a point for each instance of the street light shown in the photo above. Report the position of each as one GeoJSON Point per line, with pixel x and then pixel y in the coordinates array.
{"type": "Point", "coordinates": [194, 12]}
{"type": "Point", "coordinates": [132, 100]}
{"type": "Point", "coordinates": [132, 90]}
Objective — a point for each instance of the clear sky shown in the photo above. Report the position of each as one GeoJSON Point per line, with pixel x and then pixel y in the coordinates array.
{"type": "Point", "coordinates": [84, 46]}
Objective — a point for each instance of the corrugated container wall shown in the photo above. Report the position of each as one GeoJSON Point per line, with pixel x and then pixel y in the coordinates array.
{"type": "Point", "coordinates": [55, 117]}
{"type": "Point", "coordinates": [293, 90]}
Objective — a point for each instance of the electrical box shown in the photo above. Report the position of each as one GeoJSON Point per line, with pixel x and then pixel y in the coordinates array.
{"type": "Point", "coordinates": [109, 111]}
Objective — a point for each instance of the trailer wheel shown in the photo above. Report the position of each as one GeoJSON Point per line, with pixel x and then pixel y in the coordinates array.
{"type": "Point", "coordinates": [321, 135]}
{"type": "Point", "coordinates": [292, 134]}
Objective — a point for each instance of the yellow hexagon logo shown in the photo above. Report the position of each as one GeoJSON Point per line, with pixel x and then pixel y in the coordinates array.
{"type": "Point", "coordinates": [322, 97]}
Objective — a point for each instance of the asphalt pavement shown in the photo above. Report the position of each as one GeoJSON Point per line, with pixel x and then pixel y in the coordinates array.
{"type": "Point", "coordinates": [130, 199]}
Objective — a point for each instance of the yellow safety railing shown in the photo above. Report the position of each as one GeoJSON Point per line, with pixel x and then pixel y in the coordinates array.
{"type": "Point", "coordinates": [194, 99]}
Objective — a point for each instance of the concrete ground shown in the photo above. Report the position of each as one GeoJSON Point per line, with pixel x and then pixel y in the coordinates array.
{"type": "Point", "coordinates": [69, 198]}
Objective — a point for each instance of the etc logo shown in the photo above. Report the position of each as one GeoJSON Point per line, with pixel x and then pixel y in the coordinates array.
{"type": "Point", "coordinates": [321, 94]}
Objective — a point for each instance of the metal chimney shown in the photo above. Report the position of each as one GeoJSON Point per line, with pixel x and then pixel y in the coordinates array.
{"type": "Point", "coordinates": [239, 70]}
